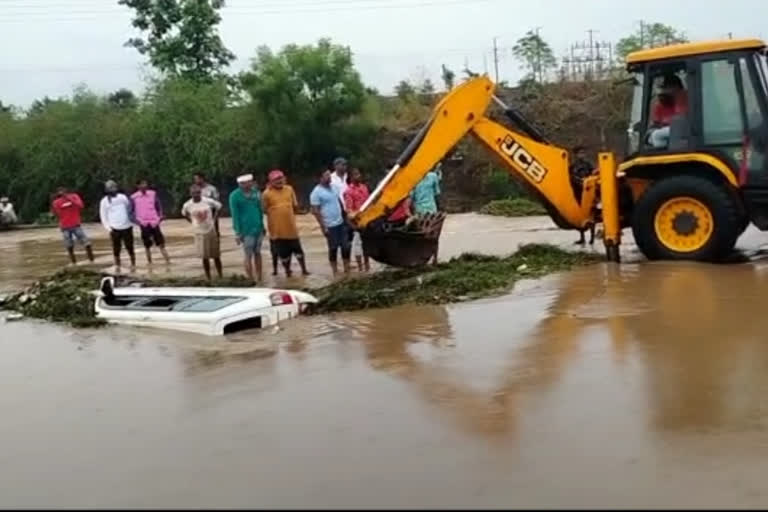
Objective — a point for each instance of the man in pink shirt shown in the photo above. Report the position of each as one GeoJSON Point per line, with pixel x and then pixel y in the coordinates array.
{"type": "Point", "coordinates": [355, 195]}
{"type": "Point", "coordinates": [149, 215]}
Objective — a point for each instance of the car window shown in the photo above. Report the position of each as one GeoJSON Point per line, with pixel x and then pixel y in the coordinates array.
{"type": "Point", "coordinates": [206, 304]}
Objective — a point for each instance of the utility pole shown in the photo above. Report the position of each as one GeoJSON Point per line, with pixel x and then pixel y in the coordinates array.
{"type": "Point", "coordinates": [496, 59]}
{"type": "Point", "coordinates": [591, 52]}
{"type": "Point", "coordinates": [642, 34]}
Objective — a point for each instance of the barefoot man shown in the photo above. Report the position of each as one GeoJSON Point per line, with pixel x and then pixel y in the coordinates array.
{"type": "Point", "coordinates": [280, 205]}
{"type": "Point", "coordinates": [67, 207]}
{"type": "Point", "coordinates": [149, 215]}
{"type": "Point", "coordinates": [201, 212]}
{"type": "Point", "coordinates": [248, 224]}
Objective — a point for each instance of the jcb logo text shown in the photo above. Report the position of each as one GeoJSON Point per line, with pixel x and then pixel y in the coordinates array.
{"type": "Point", "coordinates": [523, 159]}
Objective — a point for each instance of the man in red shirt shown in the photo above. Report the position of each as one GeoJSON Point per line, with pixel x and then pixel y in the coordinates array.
{"type": "Point", "coordinates": [672, 102]}
{"type": "Point", "coordinates": [355, 196]}
{"type": "Point", "coordinates": [67, 207]}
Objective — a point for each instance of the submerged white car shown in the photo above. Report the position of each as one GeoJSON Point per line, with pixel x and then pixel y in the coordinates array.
{"type": "Point", "coordinates": [210, 311]}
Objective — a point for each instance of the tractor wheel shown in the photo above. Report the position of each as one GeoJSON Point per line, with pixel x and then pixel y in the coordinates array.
{"type": "Point", "coordinates": [686, 218]}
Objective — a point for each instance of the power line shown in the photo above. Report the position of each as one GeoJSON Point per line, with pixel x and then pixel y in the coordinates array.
{"type": "Point", "coordinates": [254, 10]}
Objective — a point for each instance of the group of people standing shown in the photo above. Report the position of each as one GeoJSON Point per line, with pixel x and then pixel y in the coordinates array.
{"type": "Point", "coordinates": [339, 193]}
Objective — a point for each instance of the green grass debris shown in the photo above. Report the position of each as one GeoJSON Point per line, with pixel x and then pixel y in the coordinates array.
{"type": "Point", "coordinates": [517, 207]}
{"type": "Point", "coordinates": [67, 296]}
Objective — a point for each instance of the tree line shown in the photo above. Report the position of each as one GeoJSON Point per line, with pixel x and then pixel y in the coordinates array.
{"type": "Point", "coordinates": [294, 109]}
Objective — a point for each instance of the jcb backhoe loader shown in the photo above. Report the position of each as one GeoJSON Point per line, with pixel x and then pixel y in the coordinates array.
{"type": "Point", "coordinates": [695, 173]}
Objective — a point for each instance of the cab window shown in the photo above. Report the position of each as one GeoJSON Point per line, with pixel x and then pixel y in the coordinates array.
{"type": "Point", "coordinates": [721, 113]}
{"type": "Point", "coordinates": [636, 114]}
{"type": "Point", "coordinates": [668, 126]}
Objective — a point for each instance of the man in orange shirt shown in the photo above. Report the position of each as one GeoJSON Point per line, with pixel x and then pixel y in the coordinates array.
{"type": "Point", "coordinates": [280, 205]}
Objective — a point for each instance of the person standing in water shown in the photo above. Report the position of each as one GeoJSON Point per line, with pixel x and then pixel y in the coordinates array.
{"type": "Point", "coordinates": [354, 198]}
{"type": "Point", "coordinates": [67, 207]}
{"type": "Point", "coordinates": [149, 215]}
{"type": "Point", "coordinates": [208, 191]}
{"type": "Point", "coordinates": [201, 212]}
{"type": "Point", "coordinates": [580, 169]}
{"type": "Point", "coordinates": [116, 214]}
{"type": "Point", "coordinates": [280, 205]}
{"type": "Point", "coordinates": [248, 224]}
{"type": "Point", "coordinates": [328, 210]}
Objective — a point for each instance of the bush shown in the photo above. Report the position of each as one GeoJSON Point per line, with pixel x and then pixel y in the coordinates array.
{"type": "Point", "coordinates": [517, 207]}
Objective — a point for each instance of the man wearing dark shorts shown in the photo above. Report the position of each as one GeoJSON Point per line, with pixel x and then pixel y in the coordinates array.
{"type": "Point", "coordinates": [279, 204]}
{"type": "Point", "coordinates": [328, 210]}
{"type": "Point", "coordinates": [149, 215]}
{"type": "Point", "coordinates": [116, 215]}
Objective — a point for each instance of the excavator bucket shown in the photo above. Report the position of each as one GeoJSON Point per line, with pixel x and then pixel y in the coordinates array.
{"type": "Point", "coordinates": [404, 245]}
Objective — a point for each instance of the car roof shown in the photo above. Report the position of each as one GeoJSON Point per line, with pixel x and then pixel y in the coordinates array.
{"type": "Point", "coordinates": [689, 49]}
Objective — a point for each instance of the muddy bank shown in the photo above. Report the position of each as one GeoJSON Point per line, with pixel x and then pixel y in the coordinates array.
{"type": "Point", "coordinates": [67, 295]}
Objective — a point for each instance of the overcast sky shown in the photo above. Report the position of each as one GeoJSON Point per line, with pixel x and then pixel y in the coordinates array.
{"type": "Point", "coordinates": [50, 46]}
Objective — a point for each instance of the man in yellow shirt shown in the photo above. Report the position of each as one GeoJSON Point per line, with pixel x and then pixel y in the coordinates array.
{"type": "Point", "coordinates": [280, 206]}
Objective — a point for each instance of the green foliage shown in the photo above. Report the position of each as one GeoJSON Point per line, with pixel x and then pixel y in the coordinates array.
{"type": "Point", "coordinates": [449, 77]}
{"type": "Point", "coordinates": [182, 38]}
{"type": "Point", "coordinates": [405, 90]}
{"type": "Point", "coordinates": [123, 98]}
{"type": "Point", "coordinates": [515, 207]}
{"type": "Point", "coordinates": [306, 106]}
{"type": "Point", "coordinates": [535, 55]}
{"type": "Point", "coordinates": [649, 35]}
{"type": "Point", "coordinates": [467, 277]}
{"type": "Point", "coordinates": [500, 185]}
{"type": "Point", "coordinates": [46, 219]}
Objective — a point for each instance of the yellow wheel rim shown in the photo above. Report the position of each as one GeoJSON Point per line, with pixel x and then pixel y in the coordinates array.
{"type": "Point", "coordinates": [684, 224]}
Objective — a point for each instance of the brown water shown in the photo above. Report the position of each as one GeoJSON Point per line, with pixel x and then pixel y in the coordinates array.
{"type": "Point", "coordinates": [642, 385]}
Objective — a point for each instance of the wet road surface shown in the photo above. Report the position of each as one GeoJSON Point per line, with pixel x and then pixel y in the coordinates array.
{"type": "Point", "coordinates": [635, 386]}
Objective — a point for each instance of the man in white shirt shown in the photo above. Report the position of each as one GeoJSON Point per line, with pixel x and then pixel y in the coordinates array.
{"type": "Point", "coordinates": [339, 177]}
{"type": "Point", "coordinates": [116, 215]}
{"type": "Point", "coordinates": [202, 213]}
{"type": "Point", "coordinates": [7, 214]}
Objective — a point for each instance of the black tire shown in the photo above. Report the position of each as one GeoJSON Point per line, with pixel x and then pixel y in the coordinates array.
{"type": "Point", "coordinates": [726, 220]}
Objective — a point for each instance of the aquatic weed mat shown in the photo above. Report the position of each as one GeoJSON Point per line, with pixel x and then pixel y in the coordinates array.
{"type": "Point", "coordinates": [469, 276]}
{"type": "Point", "coordinates": [67, 296]}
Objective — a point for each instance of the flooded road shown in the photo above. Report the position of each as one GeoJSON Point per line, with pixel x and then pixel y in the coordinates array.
{"type": "Point", "coordinates": [642, 385]}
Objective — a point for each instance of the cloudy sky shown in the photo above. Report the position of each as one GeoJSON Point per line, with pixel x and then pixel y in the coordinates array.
{"type": "Point", "coordinates": [50, 46]}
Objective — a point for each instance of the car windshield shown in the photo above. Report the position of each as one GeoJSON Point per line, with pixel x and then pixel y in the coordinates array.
{"type": "Point", "coordinates": [176, 304]}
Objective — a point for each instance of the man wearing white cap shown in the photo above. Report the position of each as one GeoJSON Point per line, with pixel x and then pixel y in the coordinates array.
{"type": "Point", "coordinates": [248, 223]}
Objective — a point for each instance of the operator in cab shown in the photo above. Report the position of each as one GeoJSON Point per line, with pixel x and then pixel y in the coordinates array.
{"type": "Point", "coordinates": [672, 101]}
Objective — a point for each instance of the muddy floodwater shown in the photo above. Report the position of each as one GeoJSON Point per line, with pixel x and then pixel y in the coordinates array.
{"type": "Point", "coordinates": [642, 385]}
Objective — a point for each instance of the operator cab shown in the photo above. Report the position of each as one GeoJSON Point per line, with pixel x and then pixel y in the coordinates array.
{"type": "Point", "coordinates": [704, 98]}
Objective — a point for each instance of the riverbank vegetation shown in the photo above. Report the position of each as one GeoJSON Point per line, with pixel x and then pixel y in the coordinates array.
{"type": "Point", "coordinates": [67, 296]}
{"type": "Point", "coordinates": [514, 207]}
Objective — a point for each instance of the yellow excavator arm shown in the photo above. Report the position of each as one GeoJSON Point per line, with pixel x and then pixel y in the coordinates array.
{"type": "Point", "coordinates": [539, 165]}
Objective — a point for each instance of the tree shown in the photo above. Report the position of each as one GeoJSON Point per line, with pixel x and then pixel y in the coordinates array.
{"type": "Point", "coordinates": [448, 78]}
{"type": "Point", "coordinates": [4, 109]}
{"type": "Point", "coordinates": [404, 90]}
{"type": "Point", "coordinates": [535, 55]}
{"type": "Point", "coordinates": [181, 36]}
{"type": "Point", "coordinates": [306, 105]}
{"type": "Point", "coordinates": [649, 35]}
{"type": "Point", "coordinates": [427, 88]}
{"type": "Point", "coordinates": [123, 99]}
